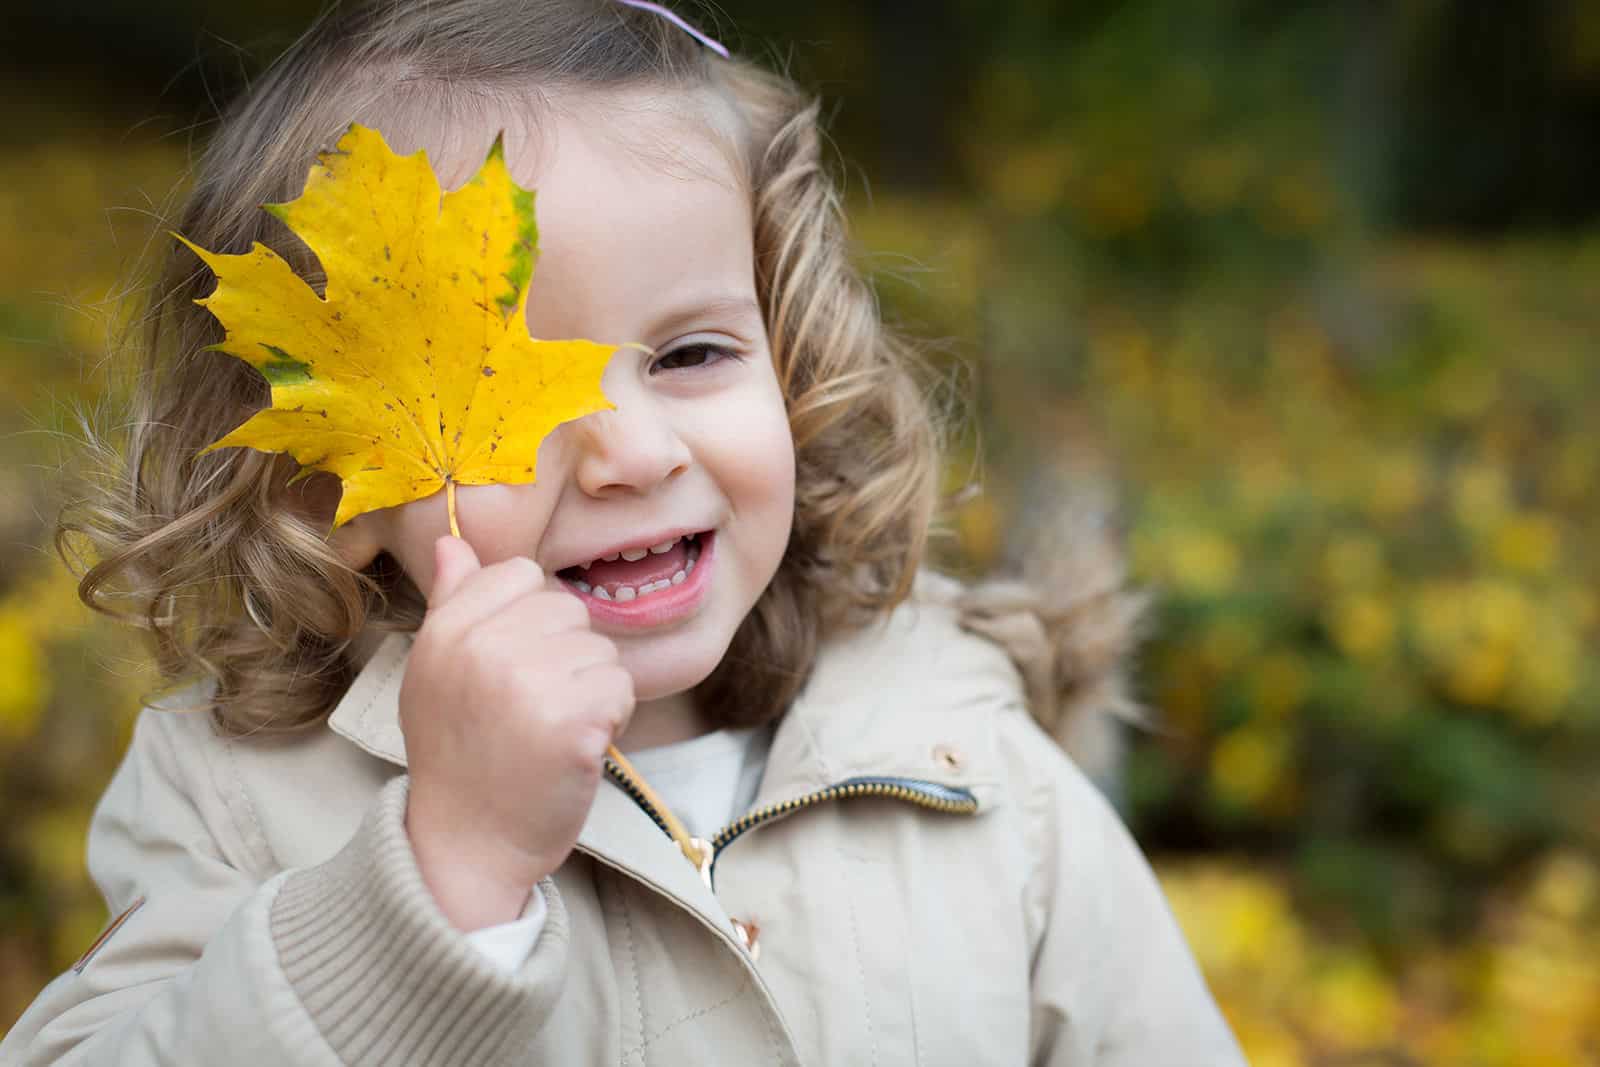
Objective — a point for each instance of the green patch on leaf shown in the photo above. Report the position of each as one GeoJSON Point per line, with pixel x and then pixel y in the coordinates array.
{"type": "Point", "coordinates": [284, 369]}
{"type": "Point", "coordinates": [522, 252]}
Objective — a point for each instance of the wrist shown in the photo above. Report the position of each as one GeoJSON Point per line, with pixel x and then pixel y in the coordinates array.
{"type": "Point", "coordinates": [475, 882]}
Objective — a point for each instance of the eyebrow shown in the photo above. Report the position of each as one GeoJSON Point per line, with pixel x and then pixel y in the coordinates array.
{"type": "Point", "coordinates": [719, 306]}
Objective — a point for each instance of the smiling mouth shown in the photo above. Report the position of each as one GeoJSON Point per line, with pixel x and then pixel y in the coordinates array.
{"type": "Point", "coordinates": [636, 572]}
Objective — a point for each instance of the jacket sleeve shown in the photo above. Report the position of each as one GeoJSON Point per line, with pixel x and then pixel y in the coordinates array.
{"type": "Point", "coordinates": [1113, 981]}
{"type": "Point", "coordinates": [345, 962]}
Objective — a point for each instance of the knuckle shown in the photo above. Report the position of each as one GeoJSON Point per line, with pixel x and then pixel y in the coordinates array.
{"type": "Point", "coordinates": [520, 569]}
{"type": "Point", "coordinates": [589, 751]}
{"type": "Point", "coordinates": [443, 624]}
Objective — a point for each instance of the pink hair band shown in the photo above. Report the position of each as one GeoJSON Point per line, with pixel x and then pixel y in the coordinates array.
{"type": "Point", "coordinates": [678, 21]}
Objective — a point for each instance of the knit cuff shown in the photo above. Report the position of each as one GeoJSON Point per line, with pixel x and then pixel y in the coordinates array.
{"type": "Point", "coordinates": [384, 974]}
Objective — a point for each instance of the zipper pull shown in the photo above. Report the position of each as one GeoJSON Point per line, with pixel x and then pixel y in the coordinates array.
{"type": "Point", "coordinates": [698, 851]}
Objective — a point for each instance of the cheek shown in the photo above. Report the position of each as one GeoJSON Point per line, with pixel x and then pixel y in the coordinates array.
{"type": "Point", "coordinates": [503, 521]}
{"type": "Point", "coordinates": [409, 533]}
{"type": "Point", "coordinates": [760, 466]}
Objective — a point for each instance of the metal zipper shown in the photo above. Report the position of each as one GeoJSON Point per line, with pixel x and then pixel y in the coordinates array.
{"type": "Point", "coordinates": [703, 854]}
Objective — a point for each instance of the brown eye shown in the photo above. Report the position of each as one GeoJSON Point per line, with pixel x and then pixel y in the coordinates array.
{"type": "Point", "coordinates": [690, 357]}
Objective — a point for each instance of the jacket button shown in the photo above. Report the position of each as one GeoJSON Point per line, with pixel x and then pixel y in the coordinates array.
{"type": "Point", "coordinates": [748, 934]}
{"type": "Point", "coordinates": [947, 756]}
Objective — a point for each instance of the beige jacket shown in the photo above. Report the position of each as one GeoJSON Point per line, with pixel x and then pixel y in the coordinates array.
{"type": "Point", "coordinates": [283, 920]}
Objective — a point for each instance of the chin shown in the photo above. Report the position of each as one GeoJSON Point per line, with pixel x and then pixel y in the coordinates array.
{"type": "Point", "coordinates": [661, 672]}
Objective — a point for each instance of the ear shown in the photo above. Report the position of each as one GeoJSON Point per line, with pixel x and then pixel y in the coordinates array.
{"type": "Point", "coordinates": [356, 543]}
{"type": "Point", "coordinates": [315, 498]}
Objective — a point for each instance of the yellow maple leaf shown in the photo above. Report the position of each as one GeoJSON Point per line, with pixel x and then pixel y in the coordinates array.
{"type": "Point", "coordinates": [414, 371]}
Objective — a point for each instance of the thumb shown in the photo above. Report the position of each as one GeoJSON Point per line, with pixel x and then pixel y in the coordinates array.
{"type": "Point", "coordinates": [454, 562]}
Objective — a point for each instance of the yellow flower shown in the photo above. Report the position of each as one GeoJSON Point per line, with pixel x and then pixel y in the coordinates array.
{"type": "Point", "coordinates": [1545, 676]}
{"type": "Point", "coordinates": [1480, 495]}
{"type": "Point", "coordinates": [1201, 562]}
{"type": "Point", "coordinates": [1479, 673]}
{"type": "Point", "coordinates": [24, 684]}
{"type": "Point", "coordinates": [1567, 887]}
{"type": "Point", "coordinates": [1529, 543]}
{"type": "Point", "coordinates": [1240, 924]}
{"type": "Point", "coordinates": [1249, 763]}
{"type": "Point", "coordinates": [54, 840]}
{"type": "Point", "coordinates": [1362, 624]}
{"type": "Point", "coordinates": [1266, 1042]}
{"type": "Point", "coordinates": [1350, 1003]}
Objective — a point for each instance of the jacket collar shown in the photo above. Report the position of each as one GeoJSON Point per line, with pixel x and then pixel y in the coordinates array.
{"type": "Point", "coordinates": [911, 697]}
{"type": "Point", "coordinates": [905, 697]}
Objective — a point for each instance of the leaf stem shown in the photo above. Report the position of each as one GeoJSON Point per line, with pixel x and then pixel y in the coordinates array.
{"type": "Point", "coordinates": [611, 750]}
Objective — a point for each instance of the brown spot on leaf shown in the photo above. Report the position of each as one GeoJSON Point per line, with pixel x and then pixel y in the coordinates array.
{"type": "Point", "coordinates": [488, 371]}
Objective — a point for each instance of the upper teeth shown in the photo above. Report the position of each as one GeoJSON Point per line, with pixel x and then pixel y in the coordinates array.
{"type": "Point", "coordinates": [633, 555]}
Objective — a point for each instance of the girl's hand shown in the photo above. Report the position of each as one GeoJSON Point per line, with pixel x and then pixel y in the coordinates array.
{"type": "Point", "coordinates": [508, 704]}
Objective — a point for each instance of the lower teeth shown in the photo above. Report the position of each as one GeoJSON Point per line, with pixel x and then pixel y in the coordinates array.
{"type": "Point", "coordinates": [626, 593]}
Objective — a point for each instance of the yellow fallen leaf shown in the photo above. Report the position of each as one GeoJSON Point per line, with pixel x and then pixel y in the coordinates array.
{"type": "Point", "coordinates": [415, 370]}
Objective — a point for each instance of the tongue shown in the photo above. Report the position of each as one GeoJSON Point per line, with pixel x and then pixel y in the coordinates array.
{"type": "Point", "coordinates": [652, 568]}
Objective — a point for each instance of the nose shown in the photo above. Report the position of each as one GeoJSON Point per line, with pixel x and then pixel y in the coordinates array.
{"type": "Point", "coordinates": [631, 450]}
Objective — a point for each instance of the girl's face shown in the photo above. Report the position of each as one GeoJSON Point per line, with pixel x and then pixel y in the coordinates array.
{"type": "Point", "coordinates": [645, 235]}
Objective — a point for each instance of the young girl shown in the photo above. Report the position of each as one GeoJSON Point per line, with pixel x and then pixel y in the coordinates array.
{"type": "Point", "coordinates": [394, 836]}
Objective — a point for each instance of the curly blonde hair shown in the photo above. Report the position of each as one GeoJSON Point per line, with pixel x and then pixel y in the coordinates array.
{"type": "Point", "coordinates": [226, 565]}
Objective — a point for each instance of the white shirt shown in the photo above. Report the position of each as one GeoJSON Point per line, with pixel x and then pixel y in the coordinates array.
{"type": "Point", "coordinates": [707, 781]}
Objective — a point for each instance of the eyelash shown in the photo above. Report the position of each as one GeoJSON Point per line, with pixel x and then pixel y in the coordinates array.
{"type": "Point", "coordinates": [713, 354]}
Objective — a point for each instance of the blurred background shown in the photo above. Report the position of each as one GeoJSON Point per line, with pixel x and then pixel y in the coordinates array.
{"type": "Point", "coordinates": [1312, 288]}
